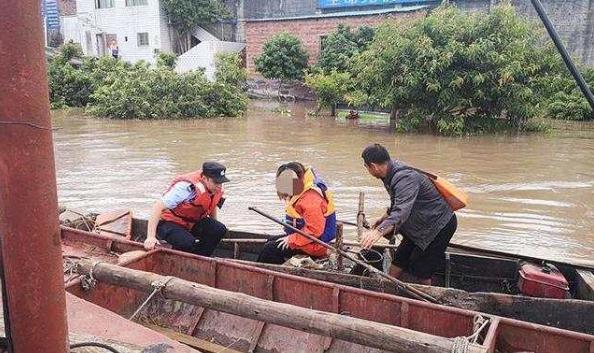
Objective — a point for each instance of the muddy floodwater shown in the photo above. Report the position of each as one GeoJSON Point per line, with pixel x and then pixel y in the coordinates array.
{"type": "Point", "coordinates": [529, 194]}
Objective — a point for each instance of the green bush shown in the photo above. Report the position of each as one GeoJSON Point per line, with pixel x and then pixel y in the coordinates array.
{"type": "Point", "coordinates": [116, 89]}
{"type": "Point", "coordinates": [229, 70]}
{"type": "Point", "coordinates": [340, 46]}
{"type": "Point", "coordinates": [68, 84]}
{"type": "Point", "coordinates": [566, 101]}
{"type": "Point", "coordinates": [155, 93]}
{"type": "Point", "coordinates": [166, 60]}
{"type": "Point", "coordinates": [455, 73]}
{"type": "Point", "coordinates": [330, 88]}
{"type": "Point", "coordinates": [282, 58]}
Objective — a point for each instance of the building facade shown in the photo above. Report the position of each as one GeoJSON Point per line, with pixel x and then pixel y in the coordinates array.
{"type": "Point", "coordinates": [137, 28]}
{"type": "Point", "coordinates": [311, 20]}
{"type": "Point", "coordinates": [140, 29]}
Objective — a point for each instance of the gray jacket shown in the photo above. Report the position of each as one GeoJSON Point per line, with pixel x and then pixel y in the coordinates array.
{"type": "Point", "coordinates": [417, 209]}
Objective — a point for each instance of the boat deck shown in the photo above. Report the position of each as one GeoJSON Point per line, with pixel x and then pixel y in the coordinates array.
{"type": "Point", "coordinates": [248, 335]}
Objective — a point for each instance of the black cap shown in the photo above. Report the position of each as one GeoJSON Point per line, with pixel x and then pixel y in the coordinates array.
{"type": "Point", "coordinates": [216, 171]}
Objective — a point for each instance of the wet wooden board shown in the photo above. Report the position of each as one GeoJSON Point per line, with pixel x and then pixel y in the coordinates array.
{"type": "Point", "coordinates": [88, 322]}
{"type": "Point", "coordinates": [117, 223]}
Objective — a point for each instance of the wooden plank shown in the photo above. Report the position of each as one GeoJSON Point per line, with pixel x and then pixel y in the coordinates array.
{"type": "Point", "coordinates": [490, 337]}
{"type": "Point", "coordinates": [363, 332]}
{"type": "Point", "coordinates": [202, 345]}
{"type": "Point", "coordinates": [585, 285]}
{"type": "Point", "coordinates": [256, 336]}
{"type": "Point", "coordinates": [213, 274]}
{"type": "Point", "coordinates": [404, 314]}
{"type": "Point", "coordinates": [260, 327]}
{"type": "Point", "coordinates": [192, 328]}
{"type": "Point", "coordinates": [236, 250]}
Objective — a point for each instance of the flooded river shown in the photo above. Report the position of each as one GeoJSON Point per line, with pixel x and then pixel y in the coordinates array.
{"type": "Point", "coordinates": [529, 194]}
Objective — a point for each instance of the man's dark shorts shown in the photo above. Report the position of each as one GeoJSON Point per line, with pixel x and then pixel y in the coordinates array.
{"type": "Point", "coordinates": [424, 263]}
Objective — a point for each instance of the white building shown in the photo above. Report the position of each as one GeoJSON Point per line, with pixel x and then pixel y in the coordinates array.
{"type": "Point", "coordinates": [140, 29]}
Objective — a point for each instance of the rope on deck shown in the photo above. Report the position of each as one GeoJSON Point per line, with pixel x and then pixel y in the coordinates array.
{"type": "Point", "coordinates": [94, 344]}
{"type": "Point", "coordinates": [89, 282]}
{"type": "Point", "coordinates": [462, 343]}
{"type": "Point", "coordinates": [158, 287]}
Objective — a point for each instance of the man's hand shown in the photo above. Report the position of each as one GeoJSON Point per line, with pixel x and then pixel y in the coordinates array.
{"type": "Point", "coordinates": [369, 238]}
{"type": "Point", "coordinates": [282, 243]}
{"type": "Point", "coordinates": [150, 242]}
{"type": "Point", "coordinates": [379, 221]}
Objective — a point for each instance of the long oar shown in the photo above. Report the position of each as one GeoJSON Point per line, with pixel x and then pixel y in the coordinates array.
{"type": "Point", "coordinates": [352, 224]}
{"type": "Point", "coordinates": [413, 292]}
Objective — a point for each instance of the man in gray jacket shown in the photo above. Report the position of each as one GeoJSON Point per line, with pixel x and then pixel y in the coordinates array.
{"type": "Point", "coordinates": [417, 211]}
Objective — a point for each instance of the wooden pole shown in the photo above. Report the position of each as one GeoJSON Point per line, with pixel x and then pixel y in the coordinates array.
{"type": "Point", "coordinates": [338, 244]}
{"type": "Point", "coordinates": [361, 217]}
{"type": "Point", "coordinates": [413, 292]}
{"type": "Point", "coordinates": [363, 332]}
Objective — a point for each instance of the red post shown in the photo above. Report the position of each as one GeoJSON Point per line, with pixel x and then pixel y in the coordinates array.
{"type": "Point", "coordinates": [33, 283]}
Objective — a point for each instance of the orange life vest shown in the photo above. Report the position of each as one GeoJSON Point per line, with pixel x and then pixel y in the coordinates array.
{"type": "Point", "coordinates": [453, 196]}
{"type": "Point", "coordinates": [203, 205]}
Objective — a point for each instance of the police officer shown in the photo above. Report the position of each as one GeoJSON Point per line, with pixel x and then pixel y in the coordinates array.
{"type": "Point", "coordinates": [185, 216]}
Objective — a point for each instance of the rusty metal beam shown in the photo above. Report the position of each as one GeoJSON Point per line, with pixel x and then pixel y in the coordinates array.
{"type": "Point", "coordinates": [32, 280]}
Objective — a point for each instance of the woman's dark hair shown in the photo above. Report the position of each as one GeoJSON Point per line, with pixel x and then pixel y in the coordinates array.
{"type": "Point", "coordinates": [375, 153]}
{"type": "Point", "coordinates": [297, 167]}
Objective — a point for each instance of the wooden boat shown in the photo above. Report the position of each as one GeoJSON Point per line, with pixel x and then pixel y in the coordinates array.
{"type": "Point", "coordinates": [218, 324]}
{"type": "Point", "coordinates": [472, 279]}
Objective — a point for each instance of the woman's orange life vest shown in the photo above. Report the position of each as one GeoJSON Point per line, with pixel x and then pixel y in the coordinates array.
{"type": "Point", "coordinates": [203, 205]}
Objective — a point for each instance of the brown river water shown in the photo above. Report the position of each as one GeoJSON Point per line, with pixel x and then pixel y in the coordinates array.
{"type": "Point", "coordinates": [530, 194]}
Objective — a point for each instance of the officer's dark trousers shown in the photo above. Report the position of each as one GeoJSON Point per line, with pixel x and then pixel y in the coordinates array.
{"type": "Point", "coordinates": [202, 239]}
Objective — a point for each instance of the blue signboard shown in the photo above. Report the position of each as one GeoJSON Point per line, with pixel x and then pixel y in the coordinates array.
{"type": "Point", "coordinates": [329, 4]}
{"type": "Point", "coordinates": [51, 14]}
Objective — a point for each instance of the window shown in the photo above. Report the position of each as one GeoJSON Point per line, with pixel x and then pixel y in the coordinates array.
{"type": "Point", "coordinates": [136, 2]}
{"type": "Point", "coordinates": [143, 39]}
{"type": "Point", "coordinates": [104, 4]}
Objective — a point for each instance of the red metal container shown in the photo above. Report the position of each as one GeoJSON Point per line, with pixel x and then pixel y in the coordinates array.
{"type": "Point", "coordinates": [542, 281]}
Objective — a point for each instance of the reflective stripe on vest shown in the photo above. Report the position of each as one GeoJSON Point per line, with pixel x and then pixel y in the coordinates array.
{"type": "Point", "coordinates": [313, 182]}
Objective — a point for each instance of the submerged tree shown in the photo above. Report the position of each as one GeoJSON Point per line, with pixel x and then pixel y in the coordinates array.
{"type": "Point", "coordinates": [456, 72]}
{"type": "Point", "coordinates": [340, 46]}
{"type": "Point", "coordinates": [283, 58]}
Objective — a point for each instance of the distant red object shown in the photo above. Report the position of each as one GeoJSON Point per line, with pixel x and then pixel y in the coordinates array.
{"type": "Point", "coordinates": [542, 281]}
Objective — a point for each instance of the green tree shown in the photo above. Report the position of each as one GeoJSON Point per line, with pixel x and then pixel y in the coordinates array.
{"type": "Point", "coordinates": [166, 60]}
{"type": "Point", "coordinates": [187, 14]}
{"type": "Point", "coordinates": [282, 58]}
{"type": "Point", "coordinates": [229, 70]}
{"type": "Point", "coordinates": [330, 88]}
{"type": "Point", "coordinates": [456, 72]}
{"type": "Point", "coordinates": [566, 101]}
{"type": "Point", "coordinates": [340, 46]}
{"type": "Point", "coordinates": [68, 84]}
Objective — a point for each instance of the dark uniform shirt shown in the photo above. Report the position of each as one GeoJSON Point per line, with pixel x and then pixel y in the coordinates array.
{"type": "Point", "coordinates": [417, 209]}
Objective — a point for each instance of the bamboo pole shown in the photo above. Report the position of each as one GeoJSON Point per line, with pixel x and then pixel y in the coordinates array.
{"type": "Point", "coordinates": [338, 244]}
{"type": "Point", "coordinates": [363, 332]}
{"type": "Point", "coordinates": [361, 217]}
{"type": "Point", "coordinates": [413, 292]}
